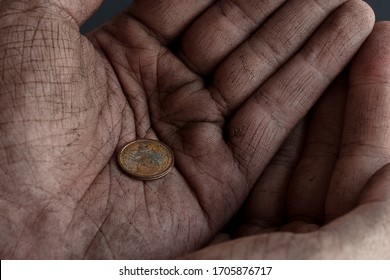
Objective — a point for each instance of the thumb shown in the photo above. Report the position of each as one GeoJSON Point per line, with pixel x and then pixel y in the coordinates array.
{"type": "Point", "coordinates": [364, 232]}
{"type": "Point", "coordinates": [361, 234]}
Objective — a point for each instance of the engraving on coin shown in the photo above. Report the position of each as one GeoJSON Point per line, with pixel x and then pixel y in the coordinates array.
{"type": "Point", "coordinates": [146, 159]}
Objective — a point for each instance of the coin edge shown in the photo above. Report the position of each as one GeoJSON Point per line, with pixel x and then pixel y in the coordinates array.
{"type": "Point", "coordinates": [147, 178]}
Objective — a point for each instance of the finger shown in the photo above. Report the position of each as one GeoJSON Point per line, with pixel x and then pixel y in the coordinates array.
{"type": "Point", "coordinates": [266, 204]}
{"type": "Point", "coordinates": [221, 29]}
{"type": "Point", "coordinates": [366, 137]}
{"type": "Point", "coordinates": [269, 48]}
{"type": "Point", "coordinates": [364, 232]}
{"type": "Point", "coordinates": [262, 123]}
{"type": "Point", "coordinates": [377, 188]}
{"type": "Point", "coordinates": [168, 18]}
{"type": "Point", "coordinates": [309, 185]}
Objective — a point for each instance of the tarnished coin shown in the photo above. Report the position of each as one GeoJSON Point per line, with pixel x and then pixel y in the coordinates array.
{"type": "Point", "coordinates": [146, 159]}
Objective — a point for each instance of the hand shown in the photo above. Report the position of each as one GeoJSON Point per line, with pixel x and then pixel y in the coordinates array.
{"type": "Point", "coordinates": [188, 73]}
{"type": "Point", "coordinates": [338, 196]}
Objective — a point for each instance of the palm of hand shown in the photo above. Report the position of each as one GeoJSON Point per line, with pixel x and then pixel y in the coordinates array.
{"type": "Point", "coordinates": [69, 103]}
{"type": "Point", "coordinates": [325, 194]}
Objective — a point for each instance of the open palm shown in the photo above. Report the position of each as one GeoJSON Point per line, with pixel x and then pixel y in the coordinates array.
{"type": "Point", "coordinates": [221, 82]}
{"type": "Point", "coordinates": [326, 192]}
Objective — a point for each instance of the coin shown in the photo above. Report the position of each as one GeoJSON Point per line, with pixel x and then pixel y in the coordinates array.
{"type": "Point", "coordinates": [146, 159]}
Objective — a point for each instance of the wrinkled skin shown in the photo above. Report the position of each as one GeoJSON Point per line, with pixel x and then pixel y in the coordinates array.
{"type": "Point", "coordinates": [223, 83]}
{"type": "Point", "coordinates": [326, 193]}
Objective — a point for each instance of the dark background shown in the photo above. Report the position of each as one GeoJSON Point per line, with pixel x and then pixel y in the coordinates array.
{"type": "Point", "coordinates": [112, 7]}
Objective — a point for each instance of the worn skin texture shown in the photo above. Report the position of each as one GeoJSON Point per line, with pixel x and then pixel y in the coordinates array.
{"type": "Point", "coordinates": [223, 83]}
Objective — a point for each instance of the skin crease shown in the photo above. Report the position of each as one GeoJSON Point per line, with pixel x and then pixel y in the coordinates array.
{"type": "Point", "coordinates": [223, 83]}
{"type": "Point", "coordinates": [321, 214]}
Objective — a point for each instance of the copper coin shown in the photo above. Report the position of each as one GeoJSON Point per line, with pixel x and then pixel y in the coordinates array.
{"type": "Point", "coordinates": [146, 159]}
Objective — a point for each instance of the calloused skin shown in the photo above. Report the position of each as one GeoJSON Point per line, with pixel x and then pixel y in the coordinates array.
{"type": "Point", "coordinates": [223, 83]}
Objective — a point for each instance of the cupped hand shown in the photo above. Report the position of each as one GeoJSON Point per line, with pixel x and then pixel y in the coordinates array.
{"type": "Point", "coordinates": [326, 194]}
{"type": "Point", "coordinates": [221, 82]}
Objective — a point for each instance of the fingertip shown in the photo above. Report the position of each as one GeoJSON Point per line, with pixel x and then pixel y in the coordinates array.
{"type": "Point", "coordinates": [360, 12]}
{"type": "Point", "coordinates": [364, 11]}
{"type": "Point", "coordinates": [360, 15]}
{"type": "Point", "coordinates": [358, 20]}
{"type": "Point", "coordinates": [377, 188]}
